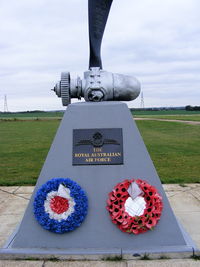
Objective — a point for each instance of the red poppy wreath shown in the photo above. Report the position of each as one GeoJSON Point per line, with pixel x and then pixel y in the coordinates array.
{"type": "Point", "coordinates": [134, 206]}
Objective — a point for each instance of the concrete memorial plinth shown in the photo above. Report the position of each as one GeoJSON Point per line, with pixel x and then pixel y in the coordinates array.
{"type": "Point", "coordinates": [97, 235]}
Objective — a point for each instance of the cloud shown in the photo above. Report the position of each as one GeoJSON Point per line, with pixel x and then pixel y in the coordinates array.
{"type": "Point", "coordinates": [156, 41]}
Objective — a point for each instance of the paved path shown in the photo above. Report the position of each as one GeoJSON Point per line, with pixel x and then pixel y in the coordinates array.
{"type": "Point", "coordinates": [156, 119]}
{"type": "Point", "coordinates": [185, 201]}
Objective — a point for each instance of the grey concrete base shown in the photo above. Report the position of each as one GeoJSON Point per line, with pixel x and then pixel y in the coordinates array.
{"type": "Point", "coordinates": [94, 254]}
{"type": "Point", "coordinates": [98, 235]}
{"type": "Point", "coordinates": [98, 254]}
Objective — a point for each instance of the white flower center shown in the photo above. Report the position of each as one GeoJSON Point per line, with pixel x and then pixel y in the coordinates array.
{"type": "Point", "coordinates": [135, 207]}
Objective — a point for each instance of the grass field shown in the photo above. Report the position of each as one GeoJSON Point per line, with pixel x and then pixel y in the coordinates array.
{"type": "Point", "coordinates": [174, 148]}
{"type": "Point", "coordinates": [171, 117]}
{"type": "Point", "coordinates": [23, 149]}
{"type": "Point", "coordinates": [162, 114]}
{"type": "Point", "coordinates": [30, 115]}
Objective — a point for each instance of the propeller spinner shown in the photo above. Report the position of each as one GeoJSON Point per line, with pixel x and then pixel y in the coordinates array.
{"type": "Point", "coordinates": [97, 84]}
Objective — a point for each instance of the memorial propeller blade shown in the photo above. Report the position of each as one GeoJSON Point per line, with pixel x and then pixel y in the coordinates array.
{"type": "Point", "coordinates": [97, 84]}
{"type": "Point", "coordinates": [98, 11]}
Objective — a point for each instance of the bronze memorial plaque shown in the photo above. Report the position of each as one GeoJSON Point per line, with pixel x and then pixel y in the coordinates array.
{"type": "Point", "coordinates": [97, 146]}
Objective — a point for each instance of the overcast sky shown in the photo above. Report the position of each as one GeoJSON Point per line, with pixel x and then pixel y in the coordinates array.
{"type": "Point", "coordinates": [157, 41]}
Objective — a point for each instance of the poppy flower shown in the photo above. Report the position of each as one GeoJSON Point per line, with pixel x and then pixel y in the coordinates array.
{"type": "Point", "coordinates": [111, 196]}
{"type": "Point", "coordinates": [151, 222]}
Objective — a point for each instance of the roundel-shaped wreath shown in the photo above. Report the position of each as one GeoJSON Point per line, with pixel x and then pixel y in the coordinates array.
{"type": "Point", "coordinates": [134, 206]}
{"type": "Point", "coordinates": [60, 205]}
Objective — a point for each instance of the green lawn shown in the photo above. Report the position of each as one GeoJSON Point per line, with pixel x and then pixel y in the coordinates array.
{"type": "Point", "coordinates": [30, 115]}
{"type": "Point", "coordinates": [174, 148]}
{"type": "Point", "coordinates": [164, 112]}
{"type": "Point", "coordinates": [159, 114]}
{"type": "Point", "coordinates": [172, 117]}
{"type": "Point", "coordinates": [23, 149]}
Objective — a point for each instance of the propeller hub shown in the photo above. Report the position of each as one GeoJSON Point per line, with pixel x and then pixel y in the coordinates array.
{"type": "Point", "coordinates": [57, 90]}
{"type": "Point", "coordinates": [96, 96]}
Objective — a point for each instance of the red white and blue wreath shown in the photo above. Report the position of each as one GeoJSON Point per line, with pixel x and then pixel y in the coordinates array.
{"type": "Point", "coordinates": [134, 206]}
{"type": "Point", "coordinates": [60, 205]}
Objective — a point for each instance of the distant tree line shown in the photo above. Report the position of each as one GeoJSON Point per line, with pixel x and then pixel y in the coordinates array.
{"type": "Point", "coordinates": [22, 112]}
{"type": "Point", "coordinates": [157, 108]}
{"type": "Point", "coordinates": [192, 108]}
{"type": "Point", "coordinates": [188, 108]}
{"type": "Point", "coordinates": [31, 111]}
